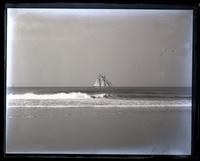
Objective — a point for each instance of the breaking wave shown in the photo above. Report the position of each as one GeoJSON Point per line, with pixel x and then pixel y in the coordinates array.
{"type": "Point", "coordinates": [71, 95]}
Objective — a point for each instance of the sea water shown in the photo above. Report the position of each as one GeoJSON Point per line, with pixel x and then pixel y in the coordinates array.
{"type": "Point", "coordinates": [121, 97]}
{"type": "Point", "coordinates": [86, 120]}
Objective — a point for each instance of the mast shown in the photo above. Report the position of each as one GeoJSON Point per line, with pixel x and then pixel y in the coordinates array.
{"type": "Point", "coordinates": [104, 79]}
{"type": "Point", "coordinates": [100, 82]}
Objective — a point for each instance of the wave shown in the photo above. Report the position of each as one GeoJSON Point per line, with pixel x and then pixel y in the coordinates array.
{"type": "Point", "coordinates": [71, 95]}
{"type": "Point", "coordinates": [82, 95]}
{"type": "Point", "coordinates": [102, 95]}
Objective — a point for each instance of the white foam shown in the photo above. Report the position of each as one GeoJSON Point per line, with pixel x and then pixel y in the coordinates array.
{"type": "Point", "coordinates": [102, 95]}
{"type": "Point", "coordinates": [72, 95]}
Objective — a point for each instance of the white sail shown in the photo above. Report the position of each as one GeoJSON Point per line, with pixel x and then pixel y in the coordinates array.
{"type": "Point", "coordinates": [104, 80]}
{"type": "Point", "coordinates": [101, 81]}
{"type": "Point", "coordinates": [96, 83]}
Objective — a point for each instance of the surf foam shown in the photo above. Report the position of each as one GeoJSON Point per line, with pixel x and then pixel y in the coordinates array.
{"type": "Point", "coordinates": [71, 95]}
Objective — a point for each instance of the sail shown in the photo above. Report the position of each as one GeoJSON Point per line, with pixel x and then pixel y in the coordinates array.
{"type": "Point", "coordinates": [96, 83]}
{"type": "Point", "coordinates": [105, 81]}
{"type": "Point", "coordinates": [108, 83]}
{"type": "Point", "coordinates": [101, 81]}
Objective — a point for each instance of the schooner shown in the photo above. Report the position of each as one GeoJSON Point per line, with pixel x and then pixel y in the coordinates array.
{"type": "Point", "coordinates": [101, 81]}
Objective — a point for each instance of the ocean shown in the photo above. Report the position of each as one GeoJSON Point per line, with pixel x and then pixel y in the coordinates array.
{"type": "Point", "coordinates": [86, 120]}
{"type": "Point", "coordinates": [56, 97]}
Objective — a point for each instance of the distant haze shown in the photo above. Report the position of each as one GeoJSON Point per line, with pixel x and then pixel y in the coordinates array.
{"type": "Point", "coordinates": [69, 47]}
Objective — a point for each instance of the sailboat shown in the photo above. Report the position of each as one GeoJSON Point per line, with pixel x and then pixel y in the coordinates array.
{"type": "Point", "coordinates": [101, 81]}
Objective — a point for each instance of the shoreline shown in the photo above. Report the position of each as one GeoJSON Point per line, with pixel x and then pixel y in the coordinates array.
{"type": "Point", "coordinates": [112, 107]}
{"type": "Point", "coordinates": [98, 131]}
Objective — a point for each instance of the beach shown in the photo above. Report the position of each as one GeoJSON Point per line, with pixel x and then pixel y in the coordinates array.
{"type": "Point", "coordinates": [89, 130]}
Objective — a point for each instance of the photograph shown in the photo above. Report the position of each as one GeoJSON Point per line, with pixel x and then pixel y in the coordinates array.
{"type": "Point", "coordinates": [99, 81]}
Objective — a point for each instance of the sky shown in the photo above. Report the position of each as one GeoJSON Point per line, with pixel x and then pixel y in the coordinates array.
{"type": "Point", "coordinates": [70, 47]}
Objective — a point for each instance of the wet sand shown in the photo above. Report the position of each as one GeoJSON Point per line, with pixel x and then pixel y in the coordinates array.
{"type": "Point", "coordinates": [99, 130]}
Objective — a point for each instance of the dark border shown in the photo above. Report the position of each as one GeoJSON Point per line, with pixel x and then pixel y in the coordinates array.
{"type": "Point", "coordinates": [195, 85]}
{"type": "Point", "coordinates": [161, 4]}
{"type": "Point", "coordinates": [100, 5]}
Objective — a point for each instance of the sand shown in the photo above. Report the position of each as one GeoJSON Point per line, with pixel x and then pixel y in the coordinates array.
{"type": "Point", "coordinates": [99, 130]}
